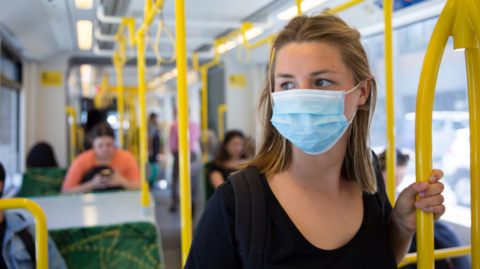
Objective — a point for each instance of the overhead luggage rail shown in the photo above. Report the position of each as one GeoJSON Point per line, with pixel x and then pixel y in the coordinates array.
{"type": "Point", "coordinates": [460, 19]}
{"type": "Point", "coordinates": [41, 234]}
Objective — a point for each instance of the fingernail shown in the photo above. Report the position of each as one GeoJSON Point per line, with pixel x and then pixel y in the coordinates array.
{"type": "Point", "coordinates": [423, 185]}
{"type": "Point", "coordinates": [421, 195]}
{"type": "Point", "coordinates": [431, 178]}
{"type": "Point", "coordinates": [418, 204]}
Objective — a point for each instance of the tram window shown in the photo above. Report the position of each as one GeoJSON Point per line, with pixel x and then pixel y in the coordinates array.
{"type": "Point", "coordinates": [450, 133]}
{"type": "Point", "coordinates": [9, 130]}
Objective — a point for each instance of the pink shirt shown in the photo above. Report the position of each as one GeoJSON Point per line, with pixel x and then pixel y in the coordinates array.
{"type": "Point", "coordinates": [194, 130]}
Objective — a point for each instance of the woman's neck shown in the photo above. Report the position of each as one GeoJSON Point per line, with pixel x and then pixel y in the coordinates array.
{"type": "Point", "coordinates": [322, 171]}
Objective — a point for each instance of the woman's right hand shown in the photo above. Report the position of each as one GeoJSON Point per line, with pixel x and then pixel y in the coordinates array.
{"type": "Point", "coordinates": [99, 182]}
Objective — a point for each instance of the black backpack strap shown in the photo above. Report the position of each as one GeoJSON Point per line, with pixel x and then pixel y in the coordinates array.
{"type": "Point", "coordinates": [381, 192]}
{"type": "Point", "coordinates": [29, 243]}
{"type": "Point", "coordinates": [250, 217]}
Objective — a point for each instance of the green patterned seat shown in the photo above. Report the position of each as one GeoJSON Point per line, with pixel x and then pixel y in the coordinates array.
{"type": "Point", "coordinates": [44, 181]}
{"type": "Point", "coordinates": [123, 246]}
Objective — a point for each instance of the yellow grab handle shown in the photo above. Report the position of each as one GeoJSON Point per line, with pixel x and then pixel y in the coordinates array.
{"type": "Point", "coordinates": [41, 233]}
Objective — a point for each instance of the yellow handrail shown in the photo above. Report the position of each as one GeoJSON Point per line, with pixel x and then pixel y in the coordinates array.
{"type": "Point", "coordinates": [184, 152]}
{"type": "Point", "coordinates": [142, 87]}
{"type": "Point", "coordinates": [73, 132]}
{"type": "Point", "coordinates": [299, 6]}
{"type": "Point", "coordinates": [439, 254]}
{"type": "Point", "coordinates": [390, 158]}
{"type": "Point", "coordinates": [460, 19]}
{"type": "Point", "coordinates": [221, 121]}
{"type": "Point", "coordinates": [118, 63]}
{"type": "Point", "coordinates": [346, 5]}
{"type": "Point", "coordinates": [41, 234]}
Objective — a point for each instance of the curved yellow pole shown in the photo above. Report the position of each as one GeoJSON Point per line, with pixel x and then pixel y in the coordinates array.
{"type": "Point", "coordinates": [439, 254]}
{"type": "Point", "coordinates": [184, 152]}
{"type": "Point", "coordinates": [473, 74]}
{"type": "Point", "coordinates": [41, 233]}
{"type": "Point", "coordinates": [390, 157]}
{"type": "Point", "coordinates": [221, 121]}
{"type": "Point", "coordinates": [423, 128]}
{"type": "Point", "coordinates": [73, 132]}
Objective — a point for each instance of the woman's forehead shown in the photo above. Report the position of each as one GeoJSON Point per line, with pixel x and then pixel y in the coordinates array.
{"type": "Point", "coordinates": [310, 57]}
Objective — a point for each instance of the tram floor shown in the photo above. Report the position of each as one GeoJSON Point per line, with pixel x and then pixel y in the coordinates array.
{"type": "Point", "coordinates": [169, 223]}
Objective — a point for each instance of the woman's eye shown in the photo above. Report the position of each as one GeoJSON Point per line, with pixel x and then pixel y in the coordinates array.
{"type": "Point", "coordinates": [322, 83]}
{"type": "Point", "coordinates": [287, 86]}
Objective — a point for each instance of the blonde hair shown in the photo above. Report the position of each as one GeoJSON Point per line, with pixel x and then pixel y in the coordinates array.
{"type": "Point", "coordinates": [275, 151]}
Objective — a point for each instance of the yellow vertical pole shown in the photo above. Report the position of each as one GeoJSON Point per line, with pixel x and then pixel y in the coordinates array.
{"type": "Point", "coordinates": [423, 129]}
{"type": "Point", "coordinates": [472, 56]}
{"type": "Point", "coordinates": [390, 160]}
{"type": "Point", "coordinates": [221, 121]}
{"type": "Point", "coordinates": [299, 6]}
{"type": "Point", "coordinates": [120, 100]}
{"type": "Point", "coordinates": [141, 102]}
{"type": "Point", "coordinates": [41, 234]}
{"type": "Point", "coordinates": [204, 76]}
{"type": "Point", "coordinates": [73, 132]}
{"type": "Point", "coordinates": [184, 152]}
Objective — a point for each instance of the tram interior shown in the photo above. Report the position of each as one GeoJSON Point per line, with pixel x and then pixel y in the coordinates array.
{"type": "Point", "coordinates": [42, 40]}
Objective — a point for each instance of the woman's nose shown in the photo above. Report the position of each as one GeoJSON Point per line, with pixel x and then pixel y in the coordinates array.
{"type": "Point", "coordinates": [304, 84]}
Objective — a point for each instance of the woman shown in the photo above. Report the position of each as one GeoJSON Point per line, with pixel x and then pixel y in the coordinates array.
{"type": "Point", "coordinates": [103, 167]}
{"type": "Point", "coordinates": [228, 159]}
{"type": "Point", "coordinates": [41, 155]}
{"type": "Point", "coordinates": [315, 166]}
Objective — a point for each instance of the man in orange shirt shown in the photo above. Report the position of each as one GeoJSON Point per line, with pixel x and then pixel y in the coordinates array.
{"type": "Point", "coordinates": [103, 167]}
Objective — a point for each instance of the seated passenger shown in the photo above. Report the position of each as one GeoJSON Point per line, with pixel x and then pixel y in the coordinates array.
{"type": "Point", "coordinates": [103, 167]}
{"type": "Point", "coordinates": [228, 158]}
{"type": "Point", "coordinates": [41, 155]}
{"type": "Point", "coordinates": [17, 240]}
{"type": "Point", "coordinates": [444, 235]}
{"type": "Point", "coordinates": [311, 197]}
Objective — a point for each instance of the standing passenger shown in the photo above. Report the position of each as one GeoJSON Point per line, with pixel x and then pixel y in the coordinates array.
{"type": "Point", "coordinates": [315, 193]}
{"type": "Point", "coordinates": [228, 159]}
{"type": "Point", "coordinates": [153, 138]}
{"type": "Point", "coordinates": [194, 131]}
{"type": "Point", "coordinates": [103, 167]}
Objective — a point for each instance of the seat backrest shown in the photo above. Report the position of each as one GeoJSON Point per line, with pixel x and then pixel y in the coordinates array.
{"type": "Point", "coordinates": [122, 246]}
{"type": "Point", "coordinates": [43, 181]}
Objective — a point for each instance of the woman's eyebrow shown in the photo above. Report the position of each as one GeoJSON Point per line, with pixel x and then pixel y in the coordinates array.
{"type": "Point", "coordinates": [316, 73]}
{"type": "Point", "coordinates": [284, 75]}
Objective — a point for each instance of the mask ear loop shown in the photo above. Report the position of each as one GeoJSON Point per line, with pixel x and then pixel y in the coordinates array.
{"type": "Point", "coordinates": [353, 88]}
{"type": "Point", "coordinates": [356, 109]}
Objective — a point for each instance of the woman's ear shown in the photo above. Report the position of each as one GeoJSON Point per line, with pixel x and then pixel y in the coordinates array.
{"type": "Point", "coordinates": [364, 92]}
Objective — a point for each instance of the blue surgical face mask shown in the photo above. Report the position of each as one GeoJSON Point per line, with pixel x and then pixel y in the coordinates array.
{"type": "Point", "coordinates": [313, 120]}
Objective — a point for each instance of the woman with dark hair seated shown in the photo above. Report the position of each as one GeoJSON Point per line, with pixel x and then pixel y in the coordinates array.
{"type": "Point", "coordinates": [104, 167]}
{"type": "Point", "coordinates": [228, 159]}
{"type": "Point", "coordinates": [41, 155]}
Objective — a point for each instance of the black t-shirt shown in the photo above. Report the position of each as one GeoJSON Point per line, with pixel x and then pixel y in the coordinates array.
{"type": "Point", "coordinates": [214, 244]}
{"type": "Point", "coordinates": [3, 227]}
{"type": "Point", "coordinates": [226, 172]}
